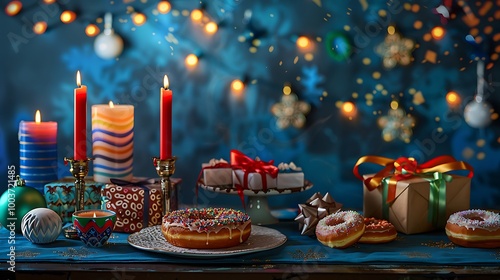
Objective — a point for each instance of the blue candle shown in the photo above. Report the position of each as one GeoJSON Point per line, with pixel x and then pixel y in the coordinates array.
{"type": "Point", "coordinates": [38, 152]}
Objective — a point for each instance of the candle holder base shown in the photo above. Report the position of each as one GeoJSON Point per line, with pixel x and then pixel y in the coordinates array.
{"type": "Point", "coordinates": [79, 169]}
{"type": "Point", "coordinates": [165, 169]}
{"type": "Point", "coordinates": [70, 232]}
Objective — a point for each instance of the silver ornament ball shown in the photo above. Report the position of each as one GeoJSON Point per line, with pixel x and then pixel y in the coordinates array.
{"type": "Point", "coordinates": [41, 225]}
{"type": "Point", "coordinates": [478, 114]}
{"type": "Point", "coordinates": [108, 45]}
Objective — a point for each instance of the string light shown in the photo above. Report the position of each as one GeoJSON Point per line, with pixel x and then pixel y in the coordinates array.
{"type": "Point", "coordinates": [303, 42]}
{"type": "Point", "coordinates": [349, 109]}
{"type": "Point", "coordinates": [138, 18]}
{"type": "Point", "coordinates": [92, 30]}
{"type": "Point", "coordinates": [211, 27]}
{"type": "Point", "coordinates": [191, 60]}
{"type": "Point", "coordinates": [13, 8]}
{"type": "Point", "coordinates": [453, 99]}
{"type": "Point", "coordinates": [68, 16]}
{"type": "Point", "coordinates": [287, 90]}
{"type": "Point", "coordinates": [49, 1]}
{"type": "Point", "coordinates": [437, 33]}
{"type": "Point", "coordinates": [394, 104]}
{"type": "Point", "coordinates": [237, 85]}
{"type": "Point", "coordinates": [196, 15]}
{"type": "Point", "coordinates": [40, 27]}
{"type": "Point", "coordinates": [164, 7]}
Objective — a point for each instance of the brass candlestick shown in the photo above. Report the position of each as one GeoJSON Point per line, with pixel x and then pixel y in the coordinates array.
{"type": "Point", "coordinates": [165, 169]}
{"type": "Point", "coordinates": [79, 169]}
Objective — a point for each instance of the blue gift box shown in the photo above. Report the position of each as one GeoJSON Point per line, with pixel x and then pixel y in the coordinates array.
{"type": "Point", "coordinates": [60, 196]}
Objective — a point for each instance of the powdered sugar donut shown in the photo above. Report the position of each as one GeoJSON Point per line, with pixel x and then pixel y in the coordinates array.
{"type": "Point", "coordinates": [474, 228]}
{"type": "Point", "coordinates": [340, 229]}
{"type": "Point", "coordinates": [378, 231]}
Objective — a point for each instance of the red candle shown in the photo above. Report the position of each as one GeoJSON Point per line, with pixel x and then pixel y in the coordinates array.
{"type": "Point", "coordinates": [80, 120]}
{"type": "Point", "coordinates": [165, 120]}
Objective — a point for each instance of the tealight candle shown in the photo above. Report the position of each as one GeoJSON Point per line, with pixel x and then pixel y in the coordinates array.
{"type": "Point", "coordinates": [112, 141]}
{"type": "Point", "coordinates": [38, 152]}
{"type": "Point", "coordinates": [93, 214]}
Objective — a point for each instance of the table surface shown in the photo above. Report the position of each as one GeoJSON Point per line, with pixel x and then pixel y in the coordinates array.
{"type": "Point", "coordinates": [419, 254]}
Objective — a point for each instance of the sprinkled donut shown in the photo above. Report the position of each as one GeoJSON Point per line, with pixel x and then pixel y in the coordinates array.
{"type": "Point", "coordinates": [378, 231]}
{"type": "Point", "coordinates": [340, 229]}
{"type": "Point", "coordinates": [206, 228]}
{"type": "Point", "coordinates": [474, 228]}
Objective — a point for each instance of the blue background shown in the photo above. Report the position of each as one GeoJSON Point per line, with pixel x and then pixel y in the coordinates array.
{"type": "Point", "coordinates": [38, 72]}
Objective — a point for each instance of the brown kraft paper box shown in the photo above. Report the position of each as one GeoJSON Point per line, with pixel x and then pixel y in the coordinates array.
{"type": "Point", "coordinates": [408, 212]}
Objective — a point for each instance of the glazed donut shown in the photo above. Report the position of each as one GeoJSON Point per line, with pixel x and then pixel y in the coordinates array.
{"type": "Point", "coordinates": [206, 228]}
{"type": "Point", "coordinates": [474, 228]}
{"type": "Point", "coordinates": [340, 229]}
{"type": "Point", "coordinates": [378, 231]}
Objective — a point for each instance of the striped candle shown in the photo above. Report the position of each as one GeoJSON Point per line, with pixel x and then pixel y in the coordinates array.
{"type": "Point", "coordinates": [112, 141]}
{"type": "Point", "coordinates": [38, 152]}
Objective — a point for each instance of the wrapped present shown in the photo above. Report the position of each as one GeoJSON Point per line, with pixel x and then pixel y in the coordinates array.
{"type": "Point", "coordinates": [252, 174]}
{"type": "Point", "coordinates": [289, 176]}
{"type": "Point", "coordinates": [217, 172]}
{"type": "Point", "coordinates": [315, 209]}
{"type": "Point", "coordinates": [60, 196]}
{"type": "Point", "coordinates": [415, 198]}
{"type": "Point", "coordinates": [138, 204]}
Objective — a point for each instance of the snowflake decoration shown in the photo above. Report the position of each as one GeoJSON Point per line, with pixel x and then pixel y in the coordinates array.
{"type": "Point", "coordinates": [396, 124]}
{"type": "Point", "coordinates": [290, 111]}
{"type": "Point", "coordinates": [395, 50]}
{"type": "Point", "coordinates": [311, 81]}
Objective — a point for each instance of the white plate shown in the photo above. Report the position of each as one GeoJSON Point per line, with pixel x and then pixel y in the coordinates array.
{"type": "Point", "coordinates": [261, 239]}
{"type": "Point", "coordinates": [231, 190]}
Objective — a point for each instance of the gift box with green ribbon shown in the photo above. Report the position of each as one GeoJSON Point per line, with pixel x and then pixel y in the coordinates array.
{"type": "Point", "coordinates": [416, 198]}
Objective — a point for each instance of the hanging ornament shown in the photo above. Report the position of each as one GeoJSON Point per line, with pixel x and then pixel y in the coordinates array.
{"type": "Point", "coordinates": [338, 46]}
{"type": "Point", "coordinates": [396, 124]}
{"type": "Point", "coordinates": [41, 225]}
{"type": "Point", "coordinates": [395, 49]}
{"type": "Point", "coordinates": [290, 111]}
{"type": "Point", "coordinates": [108, 45]}
{"type": "Point", "coordinates": [477, 113]}
{"type": "Point", "coordinates": [15, 202]}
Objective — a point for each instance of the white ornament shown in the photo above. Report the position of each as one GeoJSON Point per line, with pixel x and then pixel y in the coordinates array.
{"type": "Point", "coordinates": [477, 114]}
{"type": "Point", "coordinates": [41, 225]}
{"type": "Point", "coordinates": [108, 45]}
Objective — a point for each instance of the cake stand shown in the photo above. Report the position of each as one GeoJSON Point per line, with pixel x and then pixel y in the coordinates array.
{"type": "Point", "coordinates": [257, 206]}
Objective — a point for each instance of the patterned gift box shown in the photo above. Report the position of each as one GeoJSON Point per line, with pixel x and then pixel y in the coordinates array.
{"type": "Point", "coordinates": [289, 176]}
{"type": "Point", "coordinates": [60, 196]}
{"type": "Point", "coordinates": [137, 204]}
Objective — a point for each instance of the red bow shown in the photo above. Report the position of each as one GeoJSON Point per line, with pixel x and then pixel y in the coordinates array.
{"type": "Point", "coordinates": [248, 165]}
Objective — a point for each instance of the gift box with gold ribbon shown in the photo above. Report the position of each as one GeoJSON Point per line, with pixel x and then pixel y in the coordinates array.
{"type": "Point", "coordinates": [415, 197]}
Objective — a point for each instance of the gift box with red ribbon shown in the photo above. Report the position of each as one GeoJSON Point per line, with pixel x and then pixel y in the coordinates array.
{"type": "Point", "coordinates": [289, 176]}
{"type": "Point", "coordinates": [217, 172]}
{"type": "Point", "coordinates": [256, 175]}
{"type": "Point", "coordinates": [415, 197]}
{"type": "Point", "coordinates": [138, 204]}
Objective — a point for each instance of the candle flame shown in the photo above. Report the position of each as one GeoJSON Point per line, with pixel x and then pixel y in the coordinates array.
{"type": "Point", "coordinates": [111, 105]}
{"type": "Point", "coordinates": [38, 116]}
{"type": "Point", "coordinates": [78, 79]}
{"type": "Point", "coordinates": [94, 215]}
{"type": "Point", "coordinates": [165, 82]}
